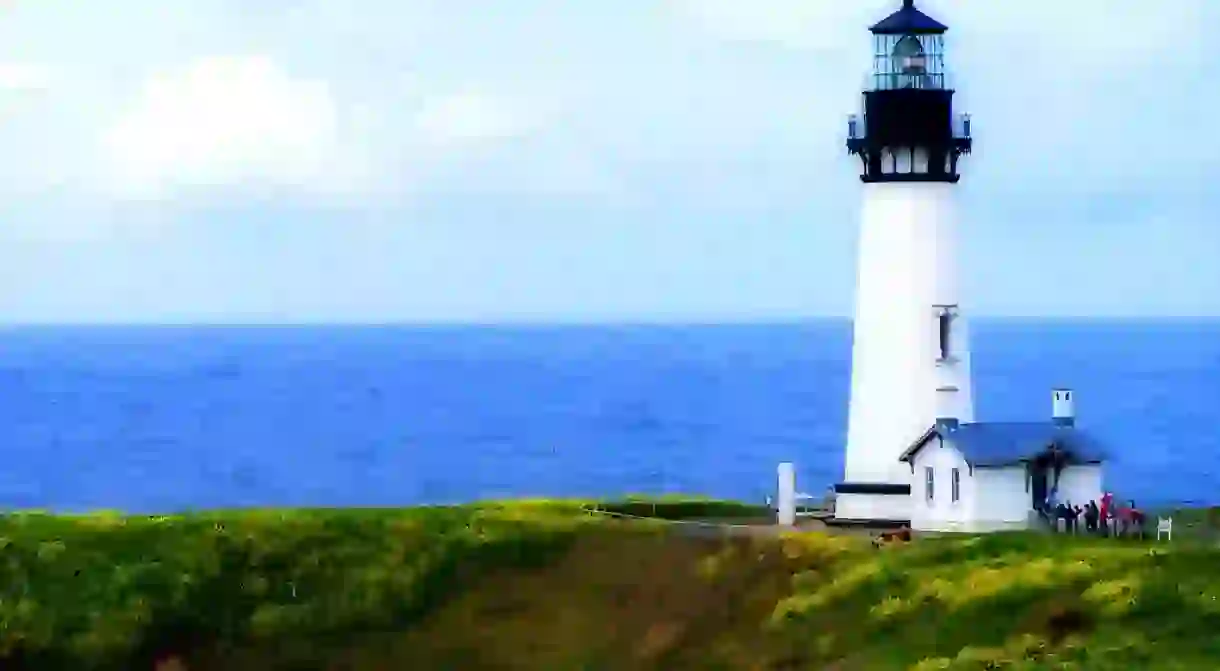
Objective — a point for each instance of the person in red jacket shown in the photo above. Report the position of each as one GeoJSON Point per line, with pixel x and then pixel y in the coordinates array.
{"type": "Point", "coordinates": [1131, 519]}
{"type": "Point", "coordinates": [1107, 512]}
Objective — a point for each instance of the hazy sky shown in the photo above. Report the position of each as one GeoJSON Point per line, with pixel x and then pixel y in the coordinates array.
{"type": "Point", "coordinates": [226, 160]}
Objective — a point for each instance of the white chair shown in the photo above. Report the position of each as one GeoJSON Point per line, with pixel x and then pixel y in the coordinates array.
{"type": "Point", "coordinates": [1164, 525]}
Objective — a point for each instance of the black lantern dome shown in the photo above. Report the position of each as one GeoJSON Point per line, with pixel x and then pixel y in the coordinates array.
{"type": "Point", "coordinates": [909, 21]}
{"type": "Point", "coordinates": [908, 132]}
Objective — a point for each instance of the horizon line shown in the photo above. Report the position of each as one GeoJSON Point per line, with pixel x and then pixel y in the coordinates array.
{"type": "Point", "coordinates": [558, 322]}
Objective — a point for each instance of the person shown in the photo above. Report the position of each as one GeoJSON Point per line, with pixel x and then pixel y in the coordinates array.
{"type": "Point", "coordinates": [1123, 518]}
{"type": "Point", "coordinates": [1135, 518]}
{"type": "Point", "coordinates": [1043, 513]}
{"type": "Point", "coordinates": [1075, 511]}
{"type": "Point", "coordinates": [1052, 509]}
{"type": "Point", "coordinates": [1090, 517]}
{"type": "Point", "coordinates": [1061, 513]}
{"type": "Point", "coordinates": [1107, 512]}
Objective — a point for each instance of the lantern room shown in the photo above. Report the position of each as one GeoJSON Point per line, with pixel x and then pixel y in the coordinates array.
{"type": "Point", "coordinates": [908, 131]}
{"type": "Point", "coordinates": [908, 51]}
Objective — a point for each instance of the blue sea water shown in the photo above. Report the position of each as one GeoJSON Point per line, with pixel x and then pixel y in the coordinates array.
{"type": "Point", "coordinates": [151, 419]}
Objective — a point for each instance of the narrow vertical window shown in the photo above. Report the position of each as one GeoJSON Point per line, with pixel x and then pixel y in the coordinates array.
{"type": "Point", "coordinates": [945, 319]}
{"type": "Point", "coordinates": [956, 483]}
{"type": "Point", "coordinates": [930, 488]}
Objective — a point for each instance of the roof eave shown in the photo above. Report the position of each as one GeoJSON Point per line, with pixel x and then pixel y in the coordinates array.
{"type": "Point", "coordinates": [909, 454]}
{"type": "Point", "coordinates": [1009, 463]}
{"type": "Point", "coordinates": [997, 464]}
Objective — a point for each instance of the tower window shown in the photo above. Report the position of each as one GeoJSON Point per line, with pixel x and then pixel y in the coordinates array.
{"type": "Point", "coordinates": [944, 323]}
{"type": "Point", "coordinates": [956, 484]}
{"type": "Point", "coordinates": [930, 483]}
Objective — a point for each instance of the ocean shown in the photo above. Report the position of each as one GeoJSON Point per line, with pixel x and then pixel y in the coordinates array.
{"type": "Point", "coordinates": [161, 419]}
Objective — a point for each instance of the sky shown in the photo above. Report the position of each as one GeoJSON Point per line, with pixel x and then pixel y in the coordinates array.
{"type": "Point", "coordinates": [546, 160]}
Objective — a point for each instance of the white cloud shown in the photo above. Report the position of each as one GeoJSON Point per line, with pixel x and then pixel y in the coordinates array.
{"type": "Point", "coordinates": [223, 121]}
{"type": "Point", "coordinates": [22, 84]}
{"type": "Point", "coordinates": [24, 77]}
{"type": "Point", "coordinates": [245, 122]}
{"type": "Point", "coordinates": [474, 116]}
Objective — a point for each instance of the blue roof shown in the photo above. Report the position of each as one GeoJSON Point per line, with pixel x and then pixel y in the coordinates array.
{"type": "Point", "coordinates": [907, 21]}
{"type": "Point", "coordinates": [1010, 443]}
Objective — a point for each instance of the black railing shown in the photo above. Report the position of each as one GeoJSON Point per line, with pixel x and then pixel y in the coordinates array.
{"type": "Point", "coordinates": [857, 127]}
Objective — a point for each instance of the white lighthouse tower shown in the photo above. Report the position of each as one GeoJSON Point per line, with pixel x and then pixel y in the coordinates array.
{"type": "Point", "coordinates": [910, 352]}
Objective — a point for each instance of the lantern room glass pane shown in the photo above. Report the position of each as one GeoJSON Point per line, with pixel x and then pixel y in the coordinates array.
{"type": "Point", "coordinates": [908, 61]}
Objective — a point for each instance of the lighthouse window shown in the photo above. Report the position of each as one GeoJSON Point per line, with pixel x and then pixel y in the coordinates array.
{"type": "Point", "coordinates": [944, 323]}
{"type": "Point", "coordinates": [957, 485]}
{"type": "Point", "coordinates": [930, 487]}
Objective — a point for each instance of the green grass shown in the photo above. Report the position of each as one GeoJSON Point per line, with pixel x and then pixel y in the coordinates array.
{"type": "Point", "coordinates": [1006, 601]}
{"type": "Point", "coordinates": [683, 508]}
{"type": "Point", "coordinates": [99, 591]}
{"type": "Point", "coordinates": [545, 584]}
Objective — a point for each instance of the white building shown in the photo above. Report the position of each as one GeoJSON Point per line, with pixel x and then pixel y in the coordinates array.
{"type": "Point", "coordinates": [912, 405]}
{"type": "Point", "coordinates": [991, 476]}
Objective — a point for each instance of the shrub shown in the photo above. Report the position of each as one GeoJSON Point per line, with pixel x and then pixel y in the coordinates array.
{"type": "Point", "coordinates": [106, 591]}
{"type": "Point", "coordinates": [685, 509]}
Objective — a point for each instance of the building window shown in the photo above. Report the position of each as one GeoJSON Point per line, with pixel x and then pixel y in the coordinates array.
{"type": "Point", "coordinates": [956, 483]}
{"type": "Point", "coordinates": [930, 488]}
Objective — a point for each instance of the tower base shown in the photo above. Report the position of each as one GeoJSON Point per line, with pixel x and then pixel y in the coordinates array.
{"type": "Point", "coordinates": [872, 504]}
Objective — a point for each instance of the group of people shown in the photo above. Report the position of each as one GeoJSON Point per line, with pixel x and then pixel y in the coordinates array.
{"type": "Point", "coordinates": [1105, 518]}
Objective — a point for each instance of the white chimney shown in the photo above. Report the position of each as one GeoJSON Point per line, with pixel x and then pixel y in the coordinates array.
{"type": "Point", "coordinates": [946, 407]}
{"type": "Point", "coordinates": [1063, 407]}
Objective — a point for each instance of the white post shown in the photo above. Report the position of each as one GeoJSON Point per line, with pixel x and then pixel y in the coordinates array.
{"type": "Point", "coordinates": [787, 495]}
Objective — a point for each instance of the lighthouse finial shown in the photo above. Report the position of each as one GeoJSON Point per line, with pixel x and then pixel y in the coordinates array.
{"type": "Point", "coordinates": [908, 4]}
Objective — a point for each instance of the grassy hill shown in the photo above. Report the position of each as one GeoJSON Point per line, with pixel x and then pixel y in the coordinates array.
{"type": "Point", "coordinates": [544, 585]}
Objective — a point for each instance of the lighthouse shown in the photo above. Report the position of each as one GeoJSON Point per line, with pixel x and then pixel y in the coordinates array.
{"type": "Point", "coordinates": [911, 346]}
